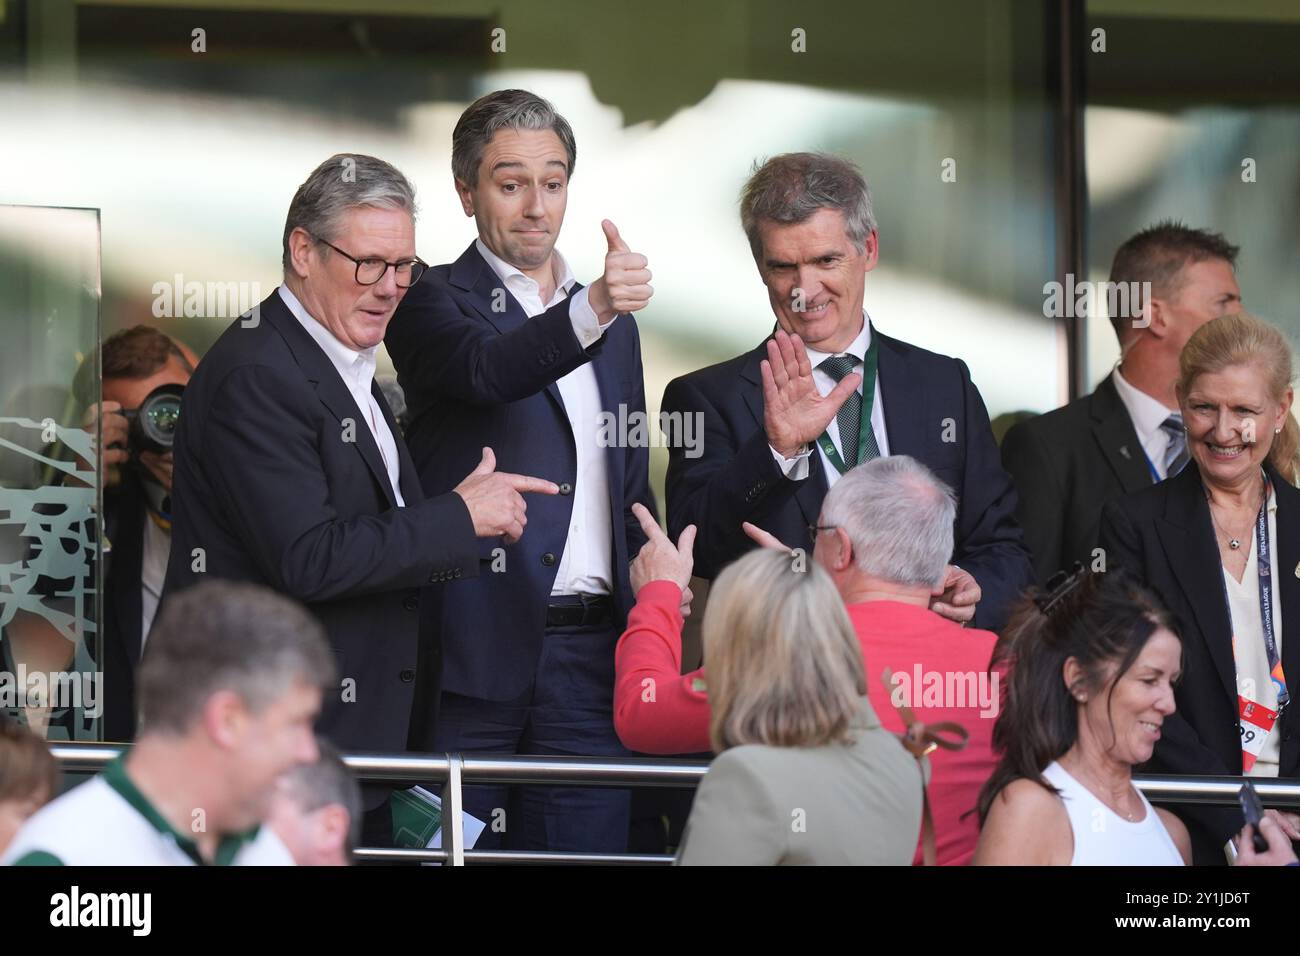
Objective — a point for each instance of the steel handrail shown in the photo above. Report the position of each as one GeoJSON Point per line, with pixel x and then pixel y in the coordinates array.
{"type": "Point", "coordinates": [454, 771]}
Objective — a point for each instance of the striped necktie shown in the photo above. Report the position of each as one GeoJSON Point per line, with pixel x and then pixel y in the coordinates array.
{"type": "Point", "coordinates": [849, 417]}
{"type": "Point", "coordinates": [1176, 454]}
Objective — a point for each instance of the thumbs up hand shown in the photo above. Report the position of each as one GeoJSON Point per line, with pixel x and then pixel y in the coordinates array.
{"type": "Point", "coordinates": [625, 286]}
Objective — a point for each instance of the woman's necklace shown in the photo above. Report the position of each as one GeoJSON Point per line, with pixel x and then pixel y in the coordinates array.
{"type": "Point", "coordinates": [1126, 814]}
{"type": "Point", "coordinates": [1234, 541]}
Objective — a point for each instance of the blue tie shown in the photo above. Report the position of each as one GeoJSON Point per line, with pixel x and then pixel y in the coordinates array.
{"type": "Point", "coordinates": [1176, 454]}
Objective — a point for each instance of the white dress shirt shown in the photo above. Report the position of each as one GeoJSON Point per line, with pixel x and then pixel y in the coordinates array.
{"type": "Point", "coordinates": [1249, 652]}
{"type": "Point", "coordinates": [357, 369]}
{"type": "Point", "coordinates": [796, 468]}
{"type": "Point", "coordinates": [1147, 415]}
{"type": "Point", "coordinates": [586, 566]}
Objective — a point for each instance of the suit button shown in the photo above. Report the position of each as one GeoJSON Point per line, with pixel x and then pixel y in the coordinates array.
{"type": "Point", "coordinates": [411, 602]}
{"type": "Point", "coordinates": [566, 488]}
{"type": "Point", "coordinates": [548, 558]}
{"type": "Point", "coordinates": [407, 675]}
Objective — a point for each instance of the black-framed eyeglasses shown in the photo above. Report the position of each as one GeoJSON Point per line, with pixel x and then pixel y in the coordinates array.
{"type": "Point", "coordinates": [816, 529]}
{"type": "Point", "coordinates": [407, 272]}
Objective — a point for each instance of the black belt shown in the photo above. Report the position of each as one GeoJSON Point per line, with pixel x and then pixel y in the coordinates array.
{"type": "Point", "coordinates": [579, 611]}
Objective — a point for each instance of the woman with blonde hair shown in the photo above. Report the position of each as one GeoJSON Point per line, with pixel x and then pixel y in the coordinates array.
{"type": "Point", "coordinates": [805, 774]}
{"type": "Point", "coordinates": [1219, 544]}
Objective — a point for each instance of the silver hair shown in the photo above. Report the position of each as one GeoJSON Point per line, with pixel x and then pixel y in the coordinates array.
{"type": "Point", "coordinates": [504, 109]}
{"type": "Point", "coordinates": [898, 516]}
{"type": "Point", "coordinates": [789, 188]}
{"type": "Point", "coordinates": [224, 635]}
{"type": "Point", "coordinates": [345, 181]}
{"type": "Point", "coordinates": [324, 783]}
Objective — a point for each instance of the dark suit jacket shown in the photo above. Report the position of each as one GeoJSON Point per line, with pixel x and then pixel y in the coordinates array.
{"type": "Point", "coordinates": [927, 398]}
{"type": "Point", "coordinates": [124, 517]}
{"type": "Point", "coordinates": [266, 483]}
{"type": "Point", "coordinates": [1164, 536]}
{"type": "Point", "coordinates": [1066, 465]}
{"type": "Point", "coordinates": [472, 377]}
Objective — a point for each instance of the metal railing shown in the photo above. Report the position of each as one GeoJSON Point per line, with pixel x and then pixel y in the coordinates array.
{"type": "Point", "coordinates": [455, 771]}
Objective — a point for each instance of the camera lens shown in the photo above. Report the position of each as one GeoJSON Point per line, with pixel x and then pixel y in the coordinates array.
{"type": "Point", "coordinates": [153, 427]}
{"type": "Point", "coordinates": [161, 417]}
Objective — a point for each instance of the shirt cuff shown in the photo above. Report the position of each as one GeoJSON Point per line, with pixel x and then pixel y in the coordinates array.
{"type": "Point", "coordinates": [586, 326]}
{"type": "Point", "coordinates": [796, 468]}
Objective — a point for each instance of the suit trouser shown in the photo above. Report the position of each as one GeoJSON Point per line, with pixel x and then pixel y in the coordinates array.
{"type": "Point", "coordinates": [567, 712]}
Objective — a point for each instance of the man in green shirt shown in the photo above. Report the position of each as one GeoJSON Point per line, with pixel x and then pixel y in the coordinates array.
{"type": "Point", "coordinates": [229, 687]}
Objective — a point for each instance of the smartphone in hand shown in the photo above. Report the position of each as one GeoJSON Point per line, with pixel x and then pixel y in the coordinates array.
{"type": "Point", "coordinates": [1253, 811]}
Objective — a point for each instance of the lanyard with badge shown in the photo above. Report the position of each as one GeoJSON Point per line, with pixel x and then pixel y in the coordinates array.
{"type": "Point", "coordinates": [864, 420]}
{"type": "Point", "coordinates": [1256, 720]}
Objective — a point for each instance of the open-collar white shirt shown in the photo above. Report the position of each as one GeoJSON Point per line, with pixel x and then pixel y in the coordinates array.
{"type": "Point", "coordinates": [586, 566]}
{"type": "Point", "coordinates": [357, 369]}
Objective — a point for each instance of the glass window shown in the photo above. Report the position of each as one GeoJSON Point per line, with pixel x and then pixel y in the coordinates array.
{"type": "Point", "coordinates": [50, 675]}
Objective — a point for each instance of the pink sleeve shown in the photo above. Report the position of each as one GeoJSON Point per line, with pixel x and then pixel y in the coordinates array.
{"type": "Point", "coordinates": [657, 709]}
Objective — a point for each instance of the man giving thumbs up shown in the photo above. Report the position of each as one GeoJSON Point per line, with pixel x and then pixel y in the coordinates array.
{"type": "Point", "coordinates": [505, 348]}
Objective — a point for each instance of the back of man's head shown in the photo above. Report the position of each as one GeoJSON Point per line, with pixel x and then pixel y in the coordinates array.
{"type": "Point", "coordinates": [899, 518]}
{"type": "Point", "coordinates": [224, 636]}
{"type": "Point", "coordinates": [1158, 255]}
{"type": "Point", "coordinates": [317, 810]}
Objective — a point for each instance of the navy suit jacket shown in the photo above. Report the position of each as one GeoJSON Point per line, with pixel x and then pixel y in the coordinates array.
{"type": "Point", "coordinates": [1066, 465]}
{"type": "Point", "coordinates": [933, 412]}
{"type": "Point", "coordinates": [280, 482]}
{"type": "Point", "coordinates": [474, 377]}
{"type": "Point", "coordinates": [1164, 535]}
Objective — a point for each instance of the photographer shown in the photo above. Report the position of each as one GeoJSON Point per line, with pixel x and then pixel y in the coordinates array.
{"type": "Point", "coordinates": [137, 461]}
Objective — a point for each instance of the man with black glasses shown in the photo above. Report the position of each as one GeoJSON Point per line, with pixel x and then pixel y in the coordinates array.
{"type": "Point", "coordinates": [290, 472]}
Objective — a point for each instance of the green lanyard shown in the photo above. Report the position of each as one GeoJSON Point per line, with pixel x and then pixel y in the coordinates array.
{"type": "Point", "coordinates": [864, 421]}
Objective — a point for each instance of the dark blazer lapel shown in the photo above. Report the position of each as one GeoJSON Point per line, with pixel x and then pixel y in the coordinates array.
{"type": "Point", "coordinates": [331, 391]}
{"type": "Point", "coordinates": [1190, 546]}
{"type": "Point", "coordinates": [472, 275]}
{"type": "Point", "coordinates": [608, 384]}
{"type": "Point", "coordinates": [904, 400]}
{"type": "Point", "coordinates": [811, 490]}
{"type": "Point", "coordinates": [752, 390]}
{"type": "Point", "coordinates": [1117, 438]}
{"type": "Point", "coordinates": [408, 479]}
{"type": "Point", "coordinates": [1286, 581]}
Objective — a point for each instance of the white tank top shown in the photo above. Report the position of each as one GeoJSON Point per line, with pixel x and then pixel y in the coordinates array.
{"type": "Point", "coordinates": [1102, 837]}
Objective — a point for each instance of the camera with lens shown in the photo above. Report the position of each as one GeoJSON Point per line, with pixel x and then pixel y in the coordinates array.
{"type": "Point", "coordinates": [153, 425]}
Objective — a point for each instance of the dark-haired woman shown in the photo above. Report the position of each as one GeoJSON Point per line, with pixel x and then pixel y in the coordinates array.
{"type": "Point", "coordinates": [1092, 667]}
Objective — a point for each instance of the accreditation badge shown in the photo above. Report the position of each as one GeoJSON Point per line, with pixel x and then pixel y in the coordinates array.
{"type": "Point", "coordinates": [1256, 724]}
